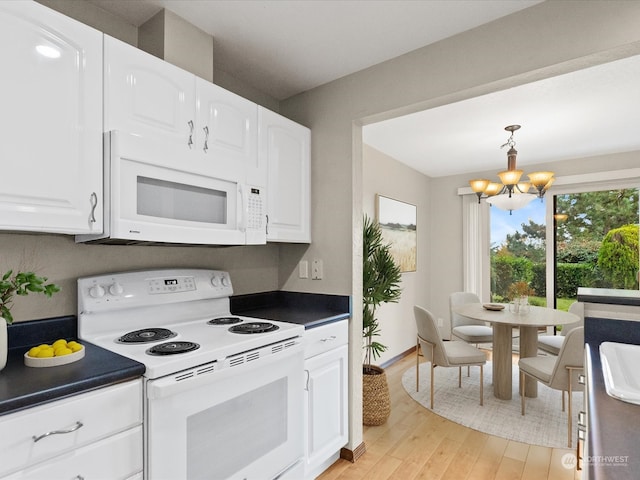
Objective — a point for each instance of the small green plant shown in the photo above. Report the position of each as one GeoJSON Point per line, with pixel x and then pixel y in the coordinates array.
{"type": "Point", "coordinates": [22, 283]}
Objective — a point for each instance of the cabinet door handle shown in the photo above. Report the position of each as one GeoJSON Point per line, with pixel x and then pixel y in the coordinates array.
{"type": "Point", "coordinates": [582, 379]}
{"type": "Point", "coordinates": [266, 225]}
{"type": "Point", "coordinates": [306, 385]}
{"type": "Point", "coordinates": [57, 432]}
{"type": "Point", "coordinates": [206, 139]}
{"type": "Point", "coordinates": [190, 142]}
{"type": "Point", "coordinates": [94, 203]}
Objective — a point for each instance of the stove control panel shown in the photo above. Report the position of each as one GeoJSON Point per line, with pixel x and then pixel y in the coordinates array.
{"type": "Point", "coordinates": [172, 285]}
{"type": "Point", "coordinates": [151, 288]}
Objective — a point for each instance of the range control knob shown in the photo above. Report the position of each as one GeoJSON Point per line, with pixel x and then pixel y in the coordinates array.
{"type": "Point", "coordinates": [215, 281]}
{"type": "Point", "coordinates": [96, 291]}
{"type": "Point", "coordinates": [225, 281]}
{"type": "Point", "coordinates": [116, 289]}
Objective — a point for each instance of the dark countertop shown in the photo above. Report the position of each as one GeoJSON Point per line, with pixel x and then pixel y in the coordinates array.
{"type": "Point", "coordinates": [613, 425]}
{"type": "Point", "coordinates": [308, 309]}
{"type": "Point", "coordinates": [609, 296]}
{"type": "Point", "coordinates": [23, 387]}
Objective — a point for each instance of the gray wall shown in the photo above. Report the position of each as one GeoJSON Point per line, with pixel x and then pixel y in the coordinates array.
{"type": "Point", "coordinates": [386, 176]}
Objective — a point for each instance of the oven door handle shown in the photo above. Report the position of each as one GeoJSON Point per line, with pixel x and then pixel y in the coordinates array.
{"type": "Point", "coordinates": [204, 374]}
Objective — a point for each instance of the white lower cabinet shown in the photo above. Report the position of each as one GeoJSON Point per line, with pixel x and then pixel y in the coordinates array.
{"type": "Point", "coordinates": [97, 434]}
{"type": "Point", "coordinates": [326, 427]}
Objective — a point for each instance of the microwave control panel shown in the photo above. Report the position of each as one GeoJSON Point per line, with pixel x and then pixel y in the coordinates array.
{"type": "Point", "coordinates": [255, 209]}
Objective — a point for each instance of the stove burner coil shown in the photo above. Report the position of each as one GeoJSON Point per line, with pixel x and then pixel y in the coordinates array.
{"type": "Point", "coordinates": [172, 348]}
{"type": "Point", "coordinates": [224, 321]}
{"type": "Point", "coordinates": [147, 335]}
{"type": "Point", "coordinates": [253, 327]}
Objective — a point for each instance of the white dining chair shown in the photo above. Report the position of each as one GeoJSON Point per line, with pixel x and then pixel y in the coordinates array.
{"type": "Point", "coordinates": [443, 354]}
{"type": "Point", "coordinates": [559, 373]}
{"type": "Point", "coordinates": [552, 343]}
{"type": "Point", "coordinates": [467, 329]}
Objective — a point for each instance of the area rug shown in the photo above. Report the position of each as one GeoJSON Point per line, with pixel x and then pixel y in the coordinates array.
{"type": "Point", "coordinates": [544, 422]}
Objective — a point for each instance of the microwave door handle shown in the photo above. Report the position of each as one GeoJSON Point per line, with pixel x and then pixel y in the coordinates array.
{"type": "Point", "coordinates": [242, 224]}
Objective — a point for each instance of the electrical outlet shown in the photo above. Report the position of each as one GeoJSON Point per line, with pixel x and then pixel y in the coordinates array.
{"type": "Point", "coordinates": [316, 270]}
{"type": "Point", "coordinates": [440, 323]}
{"type": "Point", "coordinates": [303, 269]}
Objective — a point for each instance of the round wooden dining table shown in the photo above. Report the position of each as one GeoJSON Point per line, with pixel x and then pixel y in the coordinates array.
{"type": "Point", "coordinates": [503, 322]}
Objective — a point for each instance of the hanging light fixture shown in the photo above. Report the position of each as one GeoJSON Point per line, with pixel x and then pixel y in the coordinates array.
{"type": "Point", "coordinates": [511, 194]}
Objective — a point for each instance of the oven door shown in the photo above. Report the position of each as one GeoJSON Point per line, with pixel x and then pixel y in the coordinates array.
{"type": "Point", "coordinates": [236, 422]}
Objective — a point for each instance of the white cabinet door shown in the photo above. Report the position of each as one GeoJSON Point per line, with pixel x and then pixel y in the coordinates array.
{"type": "Point", "coordinates": [227, 133]}
{"type": "Point", "coordinates": [51, 121]}
{"type": "Point", "coordinates": [285, 147]}
{"type": "Point", "coordinates": [326, 407]}
{"type": "Point", "coordinates": [147, 96]}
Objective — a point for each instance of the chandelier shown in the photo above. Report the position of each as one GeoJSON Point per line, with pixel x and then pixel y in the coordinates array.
{"type": "Point", "coordinates": [512, 194]}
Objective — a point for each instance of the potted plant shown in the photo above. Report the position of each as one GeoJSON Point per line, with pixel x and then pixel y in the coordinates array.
{"type": "Point", "coordinates": [380, 284]}
{"type": "Point", "coordinates": [21, 283]}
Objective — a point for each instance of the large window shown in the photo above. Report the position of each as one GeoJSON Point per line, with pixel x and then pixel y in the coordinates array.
{"type": "Point", "coordinates": [518, 251]}
{"type": "Point", "coordinates": [595, 241]}
{"type": "Point", "coordinates": [594, 244]}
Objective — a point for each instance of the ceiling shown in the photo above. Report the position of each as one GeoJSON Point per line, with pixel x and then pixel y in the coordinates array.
{"type": "Point", "coordinates": [286, 47]}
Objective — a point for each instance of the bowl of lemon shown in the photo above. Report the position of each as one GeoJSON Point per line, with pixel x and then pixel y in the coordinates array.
{"type": "Point", "coordinates": [58, 353]}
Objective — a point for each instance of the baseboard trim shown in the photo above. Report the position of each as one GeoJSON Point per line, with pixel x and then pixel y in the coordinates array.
{"type": "Point", "coordinates": [398, 357]}
{"type": "Point", "coordinates": [353, 455]}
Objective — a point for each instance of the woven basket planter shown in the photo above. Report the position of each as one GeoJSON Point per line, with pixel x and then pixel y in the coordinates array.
{"type": "Point", "coordinates": [376, 404]}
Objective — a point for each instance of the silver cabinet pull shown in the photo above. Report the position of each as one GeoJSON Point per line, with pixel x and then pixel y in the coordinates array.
{"type": "Point", "coordinates": [57, 432]}
{"type": "Point", "coordinates": [190, 142]}
{"type": "Point", "coordinates": [306, 386]}
{"type": "Point", "coordinates": [582, 379]}
{"type": "Point", "coordinates": [94, 203]}
{"type": "Point", "coordinates": [266, 225]}
{"type": "Point", "coordinates": [328, 339]}
{"type": "Point", "coordinates": [582, 417]}
{"type": "Point", "coordinates": [206, 139]}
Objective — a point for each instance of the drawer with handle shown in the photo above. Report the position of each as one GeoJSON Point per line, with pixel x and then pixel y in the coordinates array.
{"type": "Point", "coordinates": [39, 433]}
{"type": "Point", "coordinates": [325, 338]}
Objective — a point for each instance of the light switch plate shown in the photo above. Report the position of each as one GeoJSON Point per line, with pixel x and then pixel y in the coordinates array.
{"type": "Point", "coordinates": [303, 269]}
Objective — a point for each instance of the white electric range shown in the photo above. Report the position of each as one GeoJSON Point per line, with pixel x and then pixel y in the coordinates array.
{"type": "Point", "coordinates": [223, 393]}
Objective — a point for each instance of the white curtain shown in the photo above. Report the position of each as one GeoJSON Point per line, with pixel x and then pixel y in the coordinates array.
{"type": "Point", "coordinates": [476, 239]}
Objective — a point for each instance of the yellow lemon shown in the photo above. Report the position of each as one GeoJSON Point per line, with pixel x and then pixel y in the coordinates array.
{"type": "Point", "coordinates": [74, 346]}
{"type": "Point", "coordinates": [44, 345]}
{"type": "Point", "coordinates": [59, 343]}
{"type": "Point", "coordinates": [45, 353]}
{"type": "Point", "coordinates": [60, 352]}
{"type": "Point", "coordinates": [33, 351]}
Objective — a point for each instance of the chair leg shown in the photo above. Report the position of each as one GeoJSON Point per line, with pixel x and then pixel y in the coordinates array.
{"type": "Point", "coordinates": [460, 377]}
{"type": "Point", "coordinates": [417, 365]}
{"type": "Point", "coordinates": [432, 369]}
{"type": "Point", "coordinates": [563, 400]}
{"type": "Point", "coordinates": [468, 371]}
{"type": "Point", "coordinates": [522, 392]}
{"type": "Point", "coordinates": [569, 413]}
{"type": "Point", "coordinates": [481, 385]}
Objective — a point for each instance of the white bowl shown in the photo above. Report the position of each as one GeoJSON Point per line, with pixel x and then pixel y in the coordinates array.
{"type": "Point", "coordinates": [53, 361]}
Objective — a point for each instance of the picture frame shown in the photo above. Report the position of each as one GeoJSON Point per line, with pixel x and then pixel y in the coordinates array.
{"type": "Point", "coordinates": [398, 224]}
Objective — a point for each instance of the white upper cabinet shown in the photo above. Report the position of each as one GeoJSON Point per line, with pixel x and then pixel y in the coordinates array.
{"type": "Point", "coordinates": [284, 146]}
{"type": "Point", "coordinates": [51, 121]}
{"type": "Point", "coordinates": [147, 96]}
{"type": "Point", "coordinates": [228, 132]}
{"type": "Point", "coordinates": [144, 95]}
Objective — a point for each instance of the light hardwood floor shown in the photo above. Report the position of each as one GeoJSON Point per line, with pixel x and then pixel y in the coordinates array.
{"type": "Point", "coordinates": [418, 444]}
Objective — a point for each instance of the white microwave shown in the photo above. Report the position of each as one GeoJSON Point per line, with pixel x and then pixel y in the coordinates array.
{"type": "Point", "coordinates": [153, 195]}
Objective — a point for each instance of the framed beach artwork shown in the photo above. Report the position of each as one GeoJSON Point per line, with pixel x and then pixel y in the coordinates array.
{"type": "Point", "coordinates": [397, 222]}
